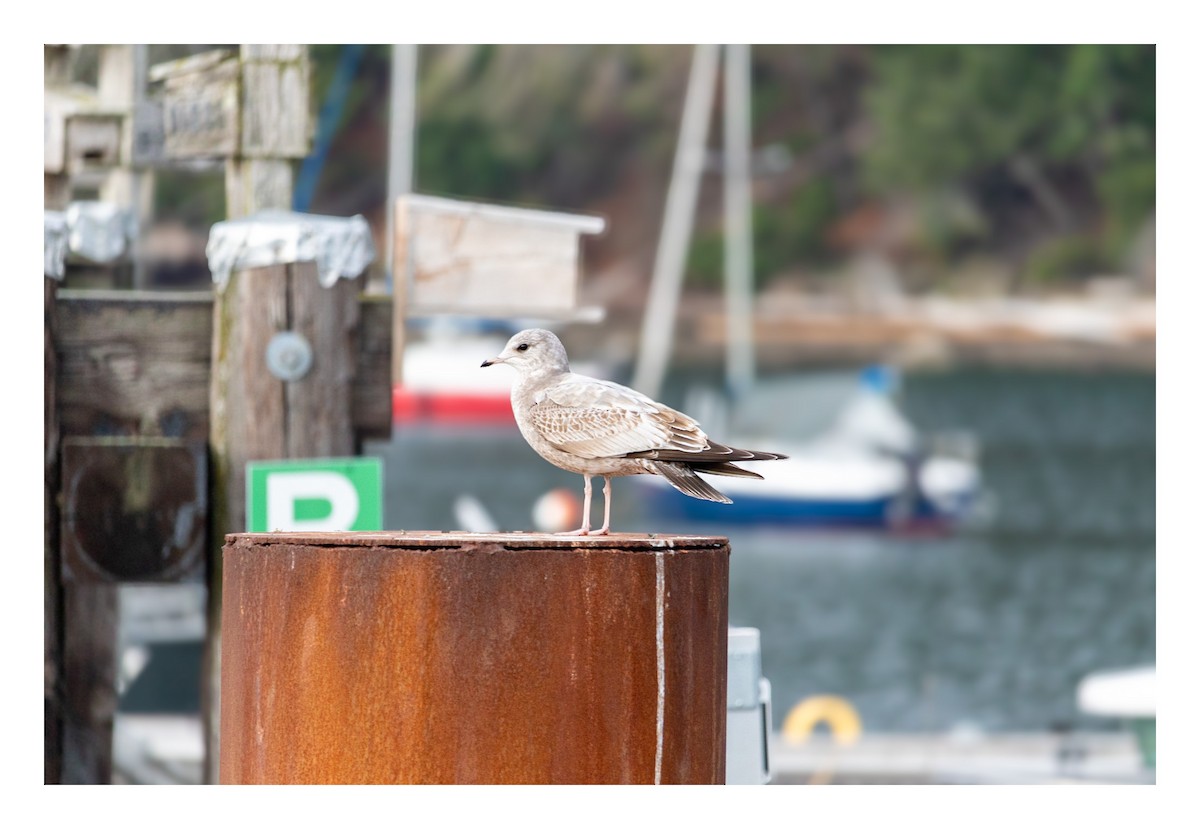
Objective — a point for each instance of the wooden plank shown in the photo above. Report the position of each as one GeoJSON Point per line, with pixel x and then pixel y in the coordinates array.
{"type": "Point", "coordinates": [191, 65]}
{"type": "Point", "coordinates": [138, 363]}
{"type": "Point", "coordinates": [134, 363]}
{"type": "Point", "coordinates": [255, 105]}
{"type": "Point", "coordinates": [278, 52]}
{"type": "Point", "coordinates": [200, 112]}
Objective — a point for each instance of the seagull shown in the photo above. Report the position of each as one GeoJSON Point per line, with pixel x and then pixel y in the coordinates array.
{"type": "Point", "coordinates": [597, 427]}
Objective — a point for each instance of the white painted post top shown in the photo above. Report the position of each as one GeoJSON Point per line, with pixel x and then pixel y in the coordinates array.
{"type": "Point", "coordinates": [96, 230]}
{"type": "Point", "coordinates": [55, 243]}
{"type": "Point", "coordinates": [340, 246]}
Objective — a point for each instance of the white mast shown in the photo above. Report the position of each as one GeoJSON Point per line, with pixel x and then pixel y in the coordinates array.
{"type": "Point", "coordinates": [739, 249]}
{"type": "Point", "coordinates": [401, 138]}
{"type": "Point", "coordinates": [658, 323]}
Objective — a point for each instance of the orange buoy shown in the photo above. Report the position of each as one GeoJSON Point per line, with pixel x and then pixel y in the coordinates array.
{"type": "Point", "coordinates": [557, 511]}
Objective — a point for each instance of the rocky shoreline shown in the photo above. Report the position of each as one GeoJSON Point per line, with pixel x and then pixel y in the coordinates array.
{"type": "Point", "coordinates": [1068, 333]}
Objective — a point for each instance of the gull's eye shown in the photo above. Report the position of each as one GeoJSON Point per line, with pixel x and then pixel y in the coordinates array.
{"type": "Point", "coordinates": [523, 347]}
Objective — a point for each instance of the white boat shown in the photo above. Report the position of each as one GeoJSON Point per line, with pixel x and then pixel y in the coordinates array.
{"type": "Point", "coordinates": [864, 467]}
{"type": "Point", "coordinates": [1130, 695]}
{"type": "Point", "coordinates": [442, 383]}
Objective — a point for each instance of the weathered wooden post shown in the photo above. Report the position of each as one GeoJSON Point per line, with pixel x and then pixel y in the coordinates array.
{"type": "Point", "coordinates": [81, 614]}
{"type": "Point", "coordinates": [420, 657]}
{"type": "Point", "coordinates": [60, 100]}
{"type": "Point", "coordinates": [134, 509]}
{"type": "Point", "coordinates": [117, 509]}
{"type": "Point", "coordinates": [285, 342]}
{"type": "Point", "coordinates": [275, 130]}
{"type": "Point", "coordinates": [252, 110]}
{"type": "Point", "coordinates": [55, 247]}
{"type": "Point", "coordinates": [89, 141]}
{"type": "Point", "coordinates": [121, 88]}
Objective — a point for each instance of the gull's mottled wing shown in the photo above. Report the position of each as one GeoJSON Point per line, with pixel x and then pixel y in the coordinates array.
{"type": "Point", "coordinates": [592, 418]}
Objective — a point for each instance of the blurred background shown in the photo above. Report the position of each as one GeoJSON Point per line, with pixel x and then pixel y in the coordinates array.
{"type": "Point", "coordinates": [951, 284]}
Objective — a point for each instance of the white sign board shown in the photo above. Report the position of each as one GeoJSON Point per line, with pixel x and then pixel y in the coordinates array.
{"type": "Point", "coordinates": [466, 257]}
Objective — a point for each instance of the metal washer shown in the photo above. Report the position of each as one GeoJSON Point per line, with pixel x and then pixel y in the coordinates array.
{"type": "Point", "coordinates": [289, 356]}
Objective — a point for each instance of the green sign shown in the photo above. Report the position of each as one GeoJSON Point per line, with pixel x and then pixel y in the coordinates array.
{"type": "Point", "coordinates": [312, 495]}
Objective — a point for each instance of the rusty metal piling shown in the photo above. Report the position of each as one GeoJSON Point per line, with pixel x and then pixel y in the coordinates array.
{"type": "Point", "coordinates": [402, 657]}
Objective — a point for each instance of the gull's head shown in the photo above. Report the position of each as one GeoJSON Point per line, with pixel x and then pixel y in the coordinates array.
{"type": "Point", "coordinates": [532, 350]}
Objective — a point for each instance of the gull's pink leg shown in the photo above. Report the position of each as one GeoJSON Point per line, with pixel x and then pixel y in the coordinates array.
{"type": "Point", "coordinates": [607, 505]}
{"type": "Point", "coordinates": [587, 508]}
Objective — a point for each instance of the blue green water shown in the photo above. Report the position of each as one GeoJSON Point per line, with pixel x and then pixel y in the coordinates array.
{"type": "Point", "coordinates": [991, 628]}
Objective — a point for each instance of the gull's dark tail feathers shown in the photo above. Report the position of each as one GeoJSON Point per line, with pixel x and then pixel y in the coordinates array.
{"type": "Point", "coordinates": [688, 482]}
{"type": "Point", "coordinates": [713, 454]}
{"type": "Point", "coordinates": [680, 468]}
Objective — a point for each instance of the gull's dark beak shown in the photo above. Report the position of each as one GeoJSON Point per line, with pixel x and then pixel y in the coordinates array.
{"type": "Point", "coordinates": [486, 363]}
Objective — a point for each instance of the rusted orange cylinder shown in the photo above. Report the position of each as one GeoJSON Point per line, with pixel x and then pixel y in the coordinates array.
{"type": "Point", "coordinates": [473, 658]}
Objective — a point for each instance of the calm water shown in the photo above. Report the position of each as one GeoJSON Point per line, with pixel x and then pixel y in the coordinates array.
{"type": "Point", "coordinates": [990, 629]}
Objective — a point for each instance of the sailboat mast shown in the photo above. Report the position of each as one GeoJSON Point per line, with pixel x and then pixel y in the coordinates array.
{"type": "Point", "coordinates": [658, 323]}
{"type": "Point", "coordinates": [401, 136]}
{"type": "Point", "coordinates": [739, 251]}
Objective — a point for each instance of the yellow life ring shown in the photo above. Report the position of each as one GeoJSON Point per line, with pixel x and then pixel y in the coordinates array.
{"type": "Point", "coordinates": [835, 711]}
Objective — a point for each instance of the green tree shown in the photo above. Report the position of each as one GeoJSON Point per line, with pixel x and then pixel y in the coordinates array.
{"type": "Point", "coordinates": [1070, 126]}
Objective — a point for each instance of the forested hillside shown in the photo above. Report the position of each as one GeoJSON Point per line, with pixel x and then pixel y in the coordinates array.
{"type": "Point", "coordinates": [1026, 166]}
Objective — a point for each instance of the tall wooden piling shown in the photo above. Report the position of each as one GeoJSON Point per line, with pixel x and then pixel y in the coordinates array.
{"type": "Point", "coordinates": [251, 410]}
{"type": "Point", "coordinates": [399, 657]}
{"type": "Point", "coordinates": [51, 584]}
